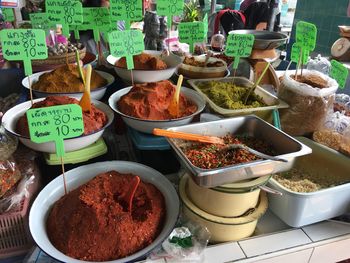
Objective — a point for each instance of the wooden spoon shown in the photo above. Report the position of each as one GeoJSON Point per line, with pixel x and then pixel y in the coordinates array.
{"type": "Point", "coordinates": [85, 101]}
{"type": "Point", "coordinates": [174, 104]}
{"type": "Point", "coordinates": [128, 195]}
{"type": "Point", "coordinates": [215, 140]}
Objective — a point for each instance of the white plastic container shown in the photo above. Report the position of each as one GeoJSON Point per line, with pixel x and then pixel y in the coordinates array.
{"type": "Point", "coordinates": [300, 209]}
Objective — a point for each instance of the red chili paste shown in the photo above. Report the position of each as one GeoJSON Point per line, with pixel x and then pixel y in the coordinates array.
{"type": "Point", "coordinates": [90, 223]}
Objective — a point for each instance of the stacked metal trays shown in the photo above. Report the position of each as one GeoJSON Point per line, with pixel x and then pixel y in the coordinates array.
{"type": "Point", "coordinates": [286, 147]}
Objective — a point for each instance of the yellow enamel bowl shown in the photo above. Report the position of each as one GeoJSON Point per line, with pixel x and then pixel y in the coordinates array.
{"type": "Point", "coordinates": [222, 229]}
{"type": "Point", "coordinates": [226, 200]}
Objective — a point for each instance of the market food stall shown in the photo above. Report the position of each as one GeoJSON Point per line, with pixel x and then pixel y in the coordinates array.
{"type": "Point", "coordinates": [169, 156]}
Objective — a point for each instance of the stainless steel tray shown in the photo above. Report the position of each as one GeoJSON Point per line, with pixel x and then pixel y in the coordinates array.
{"type": "Point", "coordinates": [286, 147]}
{"type": "Point", "coordinates": [264, 39]}
{"type": "Point", "coordinates": [265, 112]}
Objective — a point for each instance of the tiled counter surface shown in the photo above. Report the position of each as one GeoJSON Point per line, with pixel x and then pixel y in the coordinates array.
{"type": "Point", "coordinates": [273, 242]}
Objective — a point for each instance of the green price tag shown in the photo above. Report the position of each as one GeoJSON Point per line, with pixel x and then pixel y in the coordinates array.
{"type": "Point", "coordinates": [95, 18]}
{"type": "Point", "coordinates": [170, 7]}
{"type": "Point", "coordinates": [65, 13]}
{"type": "Point", "coordinates": [205, 21]}
{"type": "Point", "coordinates": [55, 123]}
{"type": "Point", "coordinates": [127, 10]}
{"type": "Point", "coordinates": [306, 35]}
{"type": "Point", "coordinates": [8, 15]}
{"type": "Point", "coordinates": [40, 21]}
{"type": "Point", "coordinates": [339, 72]}
{"type": "Point", "coordinates": [25, 45]}
{"type": "Point", "coordinates": [239, 46]}
{"type": "Point", "coordinates": [126, 44]}
{"type": "Point", "coordinates": [192, 33]}
{"type": "Point", "coordinates": [295, 54]}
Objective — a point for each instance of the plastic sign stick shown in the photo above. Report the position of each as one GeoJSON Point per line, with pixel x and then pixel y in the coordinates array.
{"type": "Point", "coordinates": [295, 54]}
{"type": "Point", "coordinates": [239, 46]}
{"type": "Point", "coordinates": [306, 35]}
{"type": "Point", "coordinates": [95, 19]}
{"type": "Point", "coordinates": [126, 10]}
{"type": "Point", "coordinates": [65, 13]}
{"type": "Point", "coordinates": [54, 124]}
{"type": "Point", "coordinates": [192, 33]}
{"type": "Point", "coordinates": [170, 8]}
{"type": "Point", "coordinates": [126, 44]}
{"type": "Point", "coordinates": [8, 14]}
{"type": "Point", "coordinates": [339, 72]}
{"type": "Point", "coordinates": [24, 45]}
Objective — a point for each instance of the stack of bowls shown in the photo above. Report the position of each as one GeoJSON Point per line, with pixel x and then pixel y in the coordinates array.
{"type": "Point", "coordinates": [230, 212]}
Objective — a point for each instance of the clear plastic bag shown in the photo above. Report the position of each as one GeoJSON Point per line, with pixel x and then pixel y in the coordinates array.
{"type": "Point", "coordinates": [320, 64]}
{"type": "Point", "coordinates": [335, 132]}
{"type": "Point", "coordinates": [308, 106]}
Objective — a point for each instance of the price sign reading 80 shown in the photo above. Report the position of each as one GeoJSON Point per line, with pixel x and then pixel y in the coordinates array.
{"type": "Point", "coordinates": [69, 13]}
{"type": "Point", "coordinates": [306, 35]}
{"type": "Point", "coordinates": [126, 44]}
{"type": "Point", "coordinates": [239, 46]}
{"type": "Point", "coordinates": [55, 124]}
{"type": "Point", "coordinates": [25, 45]}
{"type": "Point", "coordinates": [170, 7]}
{"type": "Point", "coordinates": [127, 10]}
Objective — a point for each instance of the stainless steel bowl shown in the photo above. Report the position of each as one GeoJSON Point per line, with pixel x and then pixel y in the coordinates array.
{"type": "Point", "coordinates": [264, 39]}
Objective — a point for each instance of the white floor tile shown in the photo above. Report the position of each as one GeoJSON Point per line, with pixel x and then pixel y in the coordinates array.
{"type": "Point", "coordinates": [326, 230]}
{"type": "Point", "coordinates": [271, 243]}
{"type": "Point", "coordinates": [223, 253]}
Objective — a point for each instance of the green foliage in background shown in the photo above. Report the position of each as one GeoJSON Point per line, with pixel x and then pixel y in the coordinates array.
{"type": "Point", "coordinates": [192, 11]}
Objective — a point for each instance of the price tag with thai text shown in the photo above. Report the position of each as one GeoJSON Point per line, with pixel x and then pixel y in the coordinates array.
{"type": "Point", "coordinates": [339, 72]}
{"type": "Point", "coordinates": [95, 18]}
{"type": "Point", "coordinates": [296, 51]}
{"type": "Point", "coordinates": [40, 21]}
{"type": "Point", "coordinates": [239, 46]}
{"type": "Point", "coordinates": [25, 45]}
{"type": "Point", "coordinates": [127, 10]}
{"type": "Point", "coordinates": [55, 124]}
{"type": "Point", "coordinates": [192, 33]}
{"type": "Point", "coordinates": [65, 13]}
{"type": "Point", "coordinates": [126, 43]}
{"type": "Point", "coordinates": [8, 15]}
{"type": "Point", "coordinates": [306, 35]}
{"type": "Point", "coordinates": [170, 7]}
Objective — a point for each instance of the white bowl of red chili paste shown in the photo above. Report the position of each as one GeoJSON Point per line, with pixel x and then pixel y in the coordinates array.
{"type": "Point", "coordinates": [90, 223]}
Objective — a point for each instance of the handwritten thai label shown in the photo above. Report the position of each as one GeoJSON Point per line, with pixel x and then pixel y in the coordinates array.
{"type": "Point", "coordinates": [40, 21]}
{"type": "Point", "coordinates": [126, 44]}
{"type": "Point", "coordinates": [239, 46]}
{"type": "Point", "coordinates": [192, 33]}
{"type": "Point", "coordinates": [170, 7]}
{"type": "Point", "coordinates": [339, 72]}
{"type": "Point", "coordinates": [306, 35]}
{"type": "Point", "coordinates": [127, 10]}
{"type": "Point", "coordinates": [295, 54]}
{"type": "Point", "coordinates": [65, 12]}
{"type": "Point", "coordinates": [25, 45]}
{"type": "Point", "coordinates": [55, 123]}
{"type": "Point", "coordinates": [8, 15]}
{"type": "Point", "coordinates": [95, 18]}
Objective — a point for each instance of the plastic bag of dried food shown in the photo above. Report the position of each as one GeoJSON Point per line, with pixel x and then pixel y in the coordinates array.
{"type": "Point", "coordinates": [310, 97]}
{"type": "Point", "coordinates": [335, 132]}
{"type": "Point", "coordinates": [9, 171]}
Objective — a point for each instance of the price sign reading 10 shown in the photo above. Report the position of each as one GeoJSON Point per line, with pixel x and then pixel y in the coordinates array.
{"type": "Point", "coordinates": [65, 12]}
{"type": "Point", "coordinates": [54, 124]}
{"type": "Point", "coordinates": [127, 10]}
{"type": "Point", "coordinates": [24, 45]}
{"type": "Point", "coordinates": [239, 46]}
{"type": "Point", "coordinates": [126, 44]}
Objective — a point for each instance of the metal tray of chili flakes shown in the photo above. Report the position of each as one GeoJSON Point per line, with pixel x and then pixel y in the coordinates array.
{"type": "Point", "coordinates": [278, 142]}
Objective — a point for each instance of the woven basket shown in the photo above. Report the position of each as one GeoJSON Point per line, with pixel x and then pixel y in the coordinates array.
{"type": "Point", "coordinates": [60, 59]}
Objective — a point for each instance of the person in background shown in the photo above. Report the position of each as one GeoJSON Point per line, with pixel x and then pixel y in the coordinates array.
{"type": "Point", "coordinates": [275, 20]}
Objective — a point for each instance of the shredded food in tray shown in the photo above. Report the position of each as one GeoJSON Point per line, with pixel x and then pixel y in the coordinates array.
{"type": "Point", "coordinates": [211, 156]}
{"type": "Point", "coordinates": [301, 181]}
